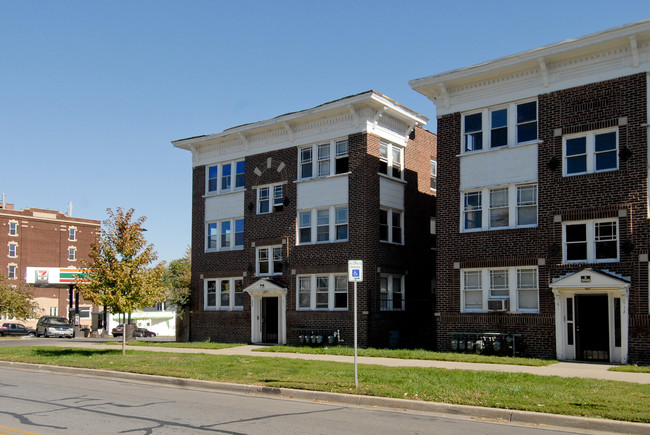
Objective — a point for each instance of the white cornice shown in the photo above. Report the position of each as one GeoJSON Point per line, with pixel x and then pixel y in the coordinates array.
{"type": "Point", "coordinates": [606, 55]}
{"type": "Point", "coordinates": [367, 112]}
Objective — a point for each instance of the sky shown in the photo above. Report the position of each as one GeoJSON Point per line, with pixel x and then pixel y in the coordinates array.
{"type": "Point", "coordinates": [93, 92]}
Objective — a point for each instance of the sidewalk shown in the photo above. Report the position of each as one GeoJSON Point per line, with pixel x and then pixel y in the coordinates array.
{"type": "Point", "coordinates": [562, 369]}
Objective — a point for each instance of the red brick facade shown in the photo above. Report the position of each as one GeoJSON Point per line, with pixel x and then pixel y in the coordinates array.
{"type": "Point", "coordinates": [42, 239]}
{"type": "Point", "coordinates": [413, 259]}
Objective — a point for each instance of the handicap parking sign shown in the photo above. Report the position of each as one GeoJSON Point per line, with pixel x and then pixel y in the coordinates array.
{"type": "Point", "coordinates": [355, 270]}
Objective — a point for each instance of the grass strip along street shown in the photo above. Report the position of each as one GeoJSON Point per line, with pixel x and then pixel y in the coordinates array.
{"type": "Point", "coordinates": [577, 397]}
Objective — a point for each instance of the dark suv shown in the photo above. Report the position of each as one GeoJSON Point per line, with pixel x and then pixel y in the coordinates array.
{"type": "Point", "coordinates": [50, 326]}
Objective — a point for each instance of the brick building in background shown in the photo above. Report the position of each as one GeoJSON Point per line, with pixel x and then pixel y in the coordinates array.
{"type": "Point", "coordinates": [543, 199]}
{"type": "Point", "coordinates": [34, 237]}
{"type": "Point", "coordinates": [280, 206]}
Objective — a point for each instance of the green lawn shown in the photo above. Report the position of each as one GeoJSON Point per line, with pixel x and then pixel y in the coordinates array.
{"type": "Point", "coordinates": [577, 397]}
{"type": "Point", "coordinates": [631, 369]}
{"type": "Point", "coordinates": [411, 354]}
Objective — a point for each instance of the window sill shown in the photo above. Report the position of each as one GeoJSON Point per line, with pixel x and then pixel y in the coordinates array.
{"type": "Point", "coordinates": [480, 230]}
{"type": "Point", "coordinates": [322, 243]}
{"type": "Point", "coordinates": [497, 149]}
{"type": "Point", "coordinates": [587, 261]}
{"type": "Point", "coordinates": [236, 248]}
{"type": "Point", "coordinates": [326, 177]}
{"type": "Point", "coordinates": [389, 177]}
{"type": "Point", "coordinates": [214, 309]}
{"type": "Point", "coordinates": [391, 243]}
{"type": "Point", "coordinates": [229, 192]}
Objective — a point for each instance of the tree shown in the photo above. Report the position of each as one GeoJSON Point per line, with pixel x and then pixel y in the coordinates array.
{"type": "Point", "coordinates": [16, 300]}
{"type": "Point", "coordinates": [178, 280]}
{"type": "Point", "coordinates": [119, 275]}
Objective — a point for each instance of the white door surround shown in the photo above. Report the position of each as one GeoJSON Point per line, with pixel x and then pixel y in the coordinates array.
{"type": "Point", "coordinates": [265, 288]}
{"type": "Point", "coordinates": [592, 282]}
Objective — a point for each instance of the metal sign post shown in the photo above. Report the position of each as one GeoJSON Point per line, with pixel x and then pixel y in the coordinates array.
{"type": "Point", "coordinates": [355, 275]}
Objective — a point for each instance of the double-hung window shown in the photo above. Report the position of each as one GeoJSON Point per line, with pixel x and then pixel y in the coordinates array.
{"type": "Point", "coordinates": [434, 174]}
{"type": "Point", "coordinates": [225, 177]}
{"type": "Point", "coordinates": [590, 241]}
{"type": "Point", "coordinates": [391, 293]}
{"type": "Point", "coordinates": [13, 250]}
{"type": "Point", "coordinates": [322, 292]}
{"type": "Point", "coordinates": [11, 271]}
{"type": "Point", "coordinates": [499, 207]}
{"type": "Point", "coordinates": [496, 127]}
{"type": "Point", "coordinates": [72, 253]}
{"type": "Point", "coordinates": [269, 260]}
{"type": "Point", "coordinates": [270, 198]}
{"type": "Point", "coordinates": [391, 159]}
{"type": "Point", "coordinates": [13, 228]}
{"type": "Point", "coordinates": [224, 294]}
{"type": "Point", "coordinates": [72, 234]}
{"type": "Point", "coordinates": [331, 158]}
{"type": "Point", "coordinates": [513, 289]}
{"type": "Point", "coordinates": [323, 225]}
{"type": "Point", "coordinates": [391, 225]}
{"type": "Point", "coordinates": [224, 235]}
{"type": "Point", "coordinates": [595, 151]}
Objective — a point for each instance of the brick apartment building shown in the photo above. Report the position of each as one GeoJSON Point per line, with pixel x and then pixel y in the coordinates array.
{"type": "Point", "coordinates": [35, 237]}
{"type": "Point", "coordinates": [280, 206]}
{"type": "Point", "coordinates": [543, 199]}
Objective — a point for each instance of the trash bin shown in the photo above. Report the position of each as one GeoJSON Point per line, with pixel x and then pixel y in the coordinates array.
{"type": "Point", "coordinates": [86, 332]}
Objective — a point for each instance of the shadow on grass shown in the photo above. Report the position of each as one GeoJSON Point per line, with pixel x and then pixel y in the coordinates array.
{"type": "Point", "coordinates": [76, 352]}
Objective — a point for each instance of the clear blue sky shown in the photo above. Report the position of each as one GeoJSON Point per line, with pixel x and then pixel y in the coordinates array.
{"type": "Point", "coordinates": [93, 92]}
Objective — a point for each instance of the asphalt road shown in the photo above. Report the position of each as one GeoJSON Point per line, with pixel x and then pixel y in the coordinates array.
{"type": "Point", "coordinates": [53, 403]}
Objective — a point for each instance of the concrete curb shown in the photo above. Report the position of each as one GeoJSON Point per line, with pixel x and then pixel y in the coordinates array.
{"type": "Point", "coordinates": [476, 412]}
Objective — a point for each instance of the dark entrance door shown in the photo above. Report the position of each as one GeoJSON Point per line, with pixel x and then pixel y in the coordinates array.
{"type": "Point", "coordinates": [592, 328]}
{"type": "Point", "coordinates": [269, 320]}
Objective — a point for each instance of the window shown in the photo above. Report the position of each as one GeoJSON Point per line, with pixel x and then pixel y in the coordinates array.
{"type": "Point", "coordinates": [331, 225]}
{"type": "Point", "coordinates": [434, 174]}
{"type": "Point", "coordinates": [501, 126]}
{"type": "Point", "coordinates": [72, 234]}
{"type": "Point", "coordinates": [391, 293]}
{"type": "Point", "coordinates": [334, 151]}
{"type": "Point", "coordinates": [224, 294]}
{"type": "Point", "coordinates": [54, 311]}
{"type": "Point", "coordinates": [590, 241]}
{"type": "Point", "coordinates": [219, 235]}
{"type": "Point", "coordinates": [512, 289]}
{"type": "Point", "coordinates": [269, 260]}
{"type": "Point", "coordinates": [13, 250]}
{"type": "Point", "coordinates": [591, 152]}
{"type": "Point", "coordinates": [500, 207]}
{"type": "Point", "coordinates": [72, 253]}
{"type": "Point", "coordinates": [266, 203]}
{"type": "Point", "coordinates": [391, 159]}
{"type": "Point", "coordinates": [13, 228]}
{"type": "Point", "coordinates": [220, 178]}
{"type": "Point", "coordinates": [11, 271]}
{"type": "Point", "coordinates": [391, 227]}
{"type": "Point", "coordinates": [322, 292]}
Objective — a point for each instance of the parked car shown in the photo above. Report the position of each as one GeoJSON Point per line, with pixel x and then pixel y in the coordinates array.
{"type": "Point", "coordinates": [52, 326]}
{"type": "Point", "coordinates": [15, 329]}
{"type": "Point", "coordinates": [139, 332]}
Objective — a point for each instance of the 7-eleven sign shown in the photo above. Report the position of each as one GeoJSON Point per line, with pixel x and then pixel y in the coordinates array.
{"type": "Point", "coordinates": [42, 276]}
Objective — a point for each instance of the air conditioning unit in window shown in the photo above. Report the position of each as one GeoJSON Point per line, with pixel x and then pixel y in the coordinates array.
{"type": "Point", "coordinates": [498, 304]}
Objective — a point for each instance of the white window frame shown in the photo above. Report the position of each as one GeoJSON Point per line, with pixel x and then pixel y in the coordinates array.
{"type": "Point", "coordinates": [311, 225]}
{"type": "Point", "coordinates": [218, 240]}
{"type": "Point", "coordinates": [232, 294]}
{"type": "Point", "coordinates": [487, 127]}
{"type": "Point", "coordinates": [308, 287]}
{"type": "Point", "coordinates": [387, 297]}
{"type": "Point", "coordinates": [391, 212]}
{"type": "Point", "coordinates": [13, 250]}
{"type": "Point", "coordinates": [219, 179]}
{"type": "Point", "coordinates": [323, 159]}
{"type": "Point", "coordinates": [72, 253]}
{"type": "Point", "coordinates": [272, 195]}
{"type": "Point", "coordinates": [489, 288]}
{"type": "Point", "coordinates": [13, 228]}
{"type": "Point", "coordinates": [590, 151]}
{"type": "Point", "coordinates": [590, 235]}
{"type": "Point", "coordinates": [485, 207]}
{"type": "Point", "coordinates": [387, 159]}
{"type": "Point", "coordinates": [433, 172]}
{"type": "Point", "coordinates": [271, 252]}
{"type": "Point", "coordinates": [72, 234]}
{"type": "Point", "coordinates": [12, 271]}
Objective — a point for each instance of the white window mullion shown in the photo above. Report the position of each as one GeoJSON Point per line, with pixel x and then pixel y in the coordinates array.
{"type": "Point", "coordinates": [485, 287]}
{"type": "Point", "coordinates": [485, 208]}
{"type": "Point", "coordinates": [330, 292]}
{"type": "Point", "coordinates": [591, 242]}
{"type": "Point", "coordinates": [512, 206]}
{"type": "Point", "coordinates": [512, 123]}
